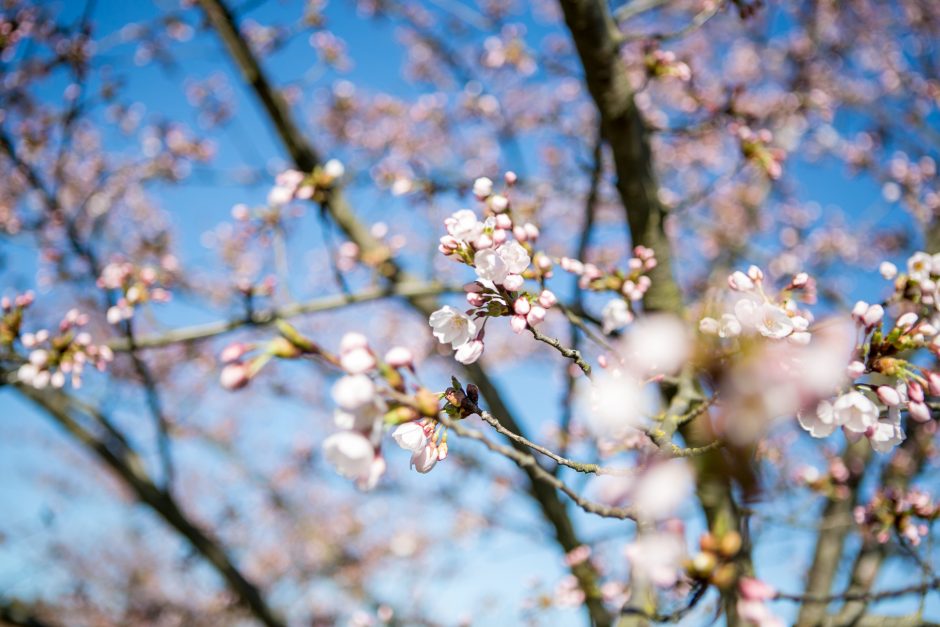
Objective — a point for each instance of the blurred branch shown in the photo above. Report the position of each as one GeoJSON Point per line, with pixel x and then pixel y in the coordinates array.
{"type": "Point", "coordinates": [597, 39]}
{"type": "Point", "coordinates": [268, 317]}
{"type": "Point", "coordinates": [18, 613]}
{"type": "Point", "coordinates": [830, 541]}
{"type": "Point", "coordinates": [905, 464]}
{"type": "Point", "coordinates": [306, 158]}
{"type": "Point", "coordinates": [127, 465]}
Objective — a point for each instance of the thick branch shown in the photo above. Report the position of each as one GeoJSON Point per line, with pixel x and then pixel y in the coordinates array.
{"type": "Point", "coordinates": [834, 522]}
{"type": "Point", "coordinates": [127, 466]}
{"type": "Point", "coordinates": [596, 38]}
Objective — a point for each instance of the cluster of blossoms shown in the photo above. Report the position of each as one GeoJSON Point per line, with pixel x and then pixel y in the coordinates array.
{"type": "Point", "coordinates": [294, 184]}
{"type": "Point", "coordinates": [500, 251]}
{"type": "Point", "coordinates": [883, 382]}
{"type": "Point", "coordinates": [632, 285]}
{"type": "Point", "coordinates": [52, 359]}
{"type": "Point", "coordinates": [136, 285]}
{"type": "Point", "coordinates": [371, 396]}
{"type": "Point", "coordinates": [755, 312]}
{"type": "Point", "coordinates": [756, 148]}
{"type": "Point", "coordinates": [898, 511]}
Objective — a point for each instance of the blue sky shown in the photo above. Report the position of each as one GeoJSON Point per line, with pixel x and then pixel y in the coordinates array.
{"type": "Point", "coordinates": [494, 567]}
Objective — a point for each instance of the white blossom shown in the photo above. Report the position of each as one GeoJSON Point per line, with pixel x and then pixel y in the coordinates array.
{"type": "Point", "coordinates": [353, 392]}
{"type": "Point", "coordinates": [515, 256]}
{"type": "Point", "coordinates": [855, 411]}
{"type": "Point", "coordinates": [821, 422]}
{"type": "Point", "coordinates": [490, 266]}
{"type": "Point", "coordinates": [452, 326]}
{"type": "Point", "coordinates": [464, 226]}
{"type": "Point", "coordinates": [351, 454]}
{"type": "Point", "coordinates": [615, 315]}
{"type": "Point", "coordinates": [773, 322]}
{"type": "Point", "coordinates": [410, 436]}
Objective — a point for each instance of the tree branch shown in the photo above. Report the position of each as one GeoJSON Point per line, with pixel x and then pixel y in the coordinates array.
{"type": "Point", "coordinates": [128, 467]}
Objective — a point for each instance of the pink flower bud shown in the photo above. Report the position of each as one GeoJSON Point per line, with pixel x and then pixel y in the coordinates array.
{"type": "Point", "coordinates": [907, 321]}
{"type": "Point", "coordinates": [449, 242]}
{"type": "Point", "coordinates": [233, 352]}
{"type": "Point", "coordinates": [858, 311]}
{"type": "Point", "coordinates": [531, 231]}
{"type": "Point", "coordinates": [519, 233]}
{"type": "Point", "coordinates": [888, 395]}
{"type": "Point", "coordinates": [873, 316]}
{"type": "Point", "coordinates": [888, 270]}
{"type": "Point", "coordinates": [602, 361]}
{"type": "Point", "coordinates": [517, 323]}
{"type": "Point", "coordinates": [740, 282]}
{"type": "Point", "coordinates": [855, 369]}
{"type": "Point", "coordinates": [755, 589]}
{"type": "Point", "coordinates": [483, 242]}
{"type": "Point", "coordinates": [535, 316]}
{"type": "Point", "coordinates": [933, 383]}
{"type": "Point", "coordinates": [521, 306]}
{"type": "Point", "coordinates": [399, 357]}
{"type": "Point", "coordinates": [500, 236]}
{"type": "Point", "coordinates": [234, 376]}
{"type": "Point", "coordinates": [357, 361]}
{"type": "Point", "coordinates": [800, 279]}
{"type": "Point", "coordinates": [510, 178]}
{"type": "Point", "coordinates": [503, 221]}
{"type": "Point", "coordinates": [649, 264]}
{"type": "Point", "coordinates": [352, 341]}
{"type": "Point", "coordinates": [755, 274]}
{"type": "Point", "coordinates": [547, 299]}
{"type": "Point", "coordinates": [915, 392]}
{"type": "Point", "coordinates": [919, 411]}
{"type": "Point", "coordinates": [475, 299]}
{"type": "Point", "coordinates": [499, 203]}
{"type": "Point", "coordinates": [469, 352]}
{"type": "Point", "coordinates": [571, 265]}
{"type": "Point", "coordinates": [513, 282]}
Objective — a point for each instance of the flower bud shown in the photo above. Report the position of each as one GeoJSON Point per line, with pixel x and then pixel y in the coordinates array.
{"type": "Point", "coordinates": [521, 306]}
{"type": "Point", "coordinates": [933, 383]}
{"type": "Point", "coordinates": [740, 282]}
{"type": "Point", "coordinates": [855, 369]}
{"type": "Point", "coordinates": [499, 203]}
{"type": "Point", "coordinates": [873, 315]}
{"type": "Point", "coordinates": [888, 395]}
{"type": "Point", "coordinates": [888, 270]}
{"type": "Point", "coordinates": [482, 187]}
{"type": "Point", "coordinates": [517, 323]}
{"type": "Point", "coordinates": [708, 326]}
{"type": "Point", "coordinates": [547, 299]}
{"type": "Point", "coordinates": [907, 321]}
{"type": "Point", "coordinates": [234, 376]}
{"type": "Point", "coordinates": [399, 357]}
{"type": "Point", "coordinates": [513, 282]}
{"type": "Point", "coordinates": [919, 411]}
{"type": "Point", "coordinates": [503, 221]}
{"type": "Point", "coordinates": [535, 316]}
